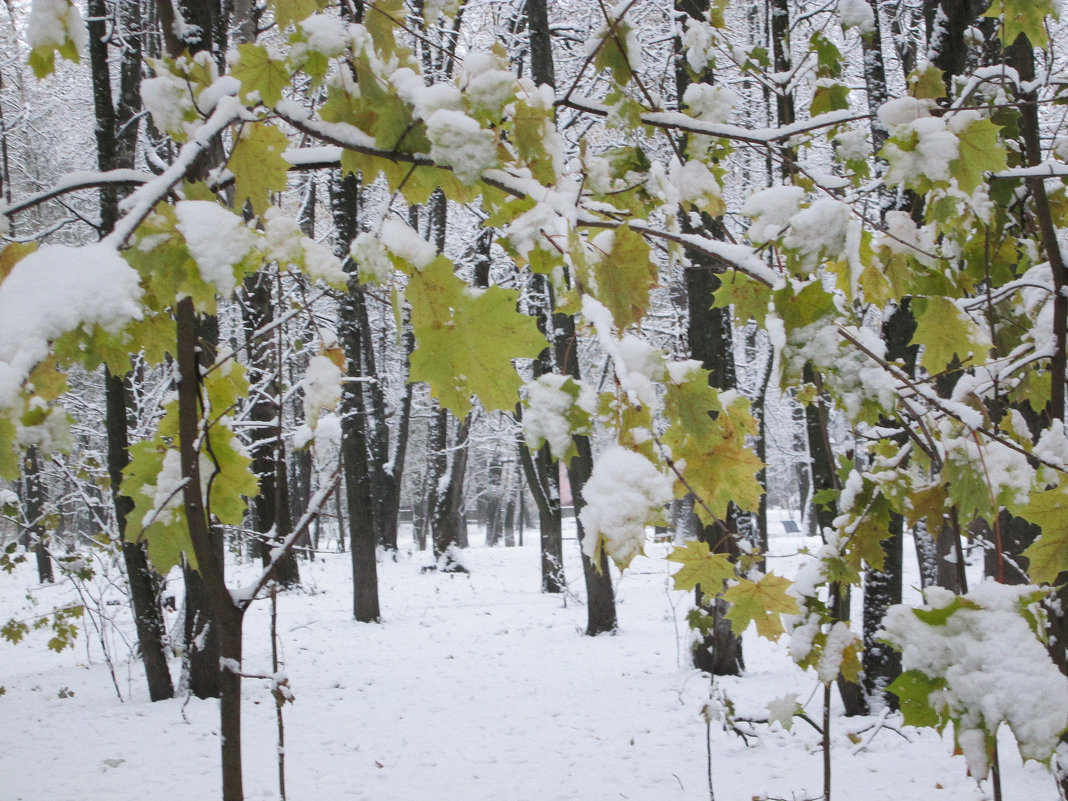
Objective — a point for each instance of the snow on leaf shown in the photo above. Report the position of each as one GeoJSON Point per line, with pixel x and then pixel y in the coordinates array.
{"type": "Point", "coordinates": [760, 602]}
{"type": "Point", "coordinates": [700, 566]}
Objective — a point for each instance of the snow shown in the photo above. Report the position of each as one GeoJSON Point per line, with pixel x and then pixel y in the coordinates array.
{"type": "Point", "coordinates": [460, 142]}
{"type": "Point", "coordinates": [771, 210]}
{"type": "Point", "coordinates": [625, 493]}
{"type": "Point", "coordinates": [405, 243]}
{"type": "Point", "coordinates": [217, 240]}
{"type": "Point", "coordinates": [326, 35]}
{"type": "Point", "coordinates": [996, 669]}
{"type": "Point", "coordinates": [322, 387]}
{"type": "Point", "coordinates": [52, 22]}
{"type": "Point", "coordinates": [54, 290]}
{"type": "Point", "coordinates": [857, 14]}
{"type": "Point", "coordinates": [476, 687]}
{"type": "Point", "coordinates": [548, 407]}
{"type": "Point", "coordinates": [710, 103]}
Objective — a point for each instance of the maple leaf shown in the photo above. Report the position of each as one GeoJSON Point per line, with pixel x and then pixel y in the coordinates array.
{"type": "Point", "coordinates": [980, 151]}
{"type": "Point", "coordinates": [944, 332]}
{"type": "Point", "coordinates": [258, 72]}
{"type": "Point", "coordinates": [1048, 555]}
{"type": "Point", "coordinates": [760, 602]}
{"type": "Point", "coordinates": [700, 566]}
{"type": "Point", "coordinates": [293, 11]}
{"type": "Point", "coordinates": [748, 296]}
{"type": "Point", "coordinates": [258, 166]}
{"type": "Point", "coordinates": [468, 339]}
{"type": "Point", "coordinates": [913, 689]}
{"type": "Point", "coordinates": [1023, 16]}
{"type": "Point", "coordinates": [624, 277]}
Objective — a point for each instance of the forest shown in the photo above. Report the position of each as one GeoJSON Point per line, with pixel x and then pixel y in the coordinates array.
{"type": "Point", "coordinates": [471, 399]}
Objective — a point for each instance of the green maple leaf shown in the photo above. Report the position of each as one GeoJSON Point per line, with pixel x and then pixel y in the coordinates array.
{"type": "Point", "coordinates": [233, 482]}
{"type": "Point", "coordinates": [258, 166]}
{"type": "Point", "coordinates": [258, 72]}
{"type": "Point", "coordinates": [913, 689]}
{"type": "Point", "coordinates": [1048, 555]}
{"type": "Point", "coordinates": [927, 84]}
{"type": "Point", "coordinates": [700, 566]}
{"type": "Point", "coordinates": [748, 296]}
{"type": "Point", "coordinates": [800, 308]}
{"type": "Point", "coordinates": [980, 151]}
{"type": "Point", "coordinates": [468, 339]}
{"type": "Point", "coordinates": [944, 331]}
{"type": "Point", "coordinates": [165, 534]}
{"type": "Point", "coordinates": [760, 602]}
{"type": "Point", "coordinates": [1023, 16]}
{"type": "Point", "coordinates": [9, 450]}
{"type": "Point", "coordinates": [611, 52]}
{"type": "Point", "coordinates": [829, 98]}
{"type": "Point", "coordinates": [624, 277]}
{"type": "Point", "coordinates": [293, 11]}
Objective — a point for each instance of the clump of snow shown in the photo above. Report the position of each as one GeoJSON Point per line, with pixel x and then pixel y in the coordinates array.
{"type": "Point", "coordinates": [699, 44]}
{"type": "Point", "coordinates": [857, 14]}
{"type": "Point", "coordinates": [460, 142]}
{"type": "Point", "coordinates": [625, 493]}
{"type": "Point", "coordinates": [1052, 445]}
{"type": "Point", "coordinates": [372, 261]}
{"type": "Point", "coordinates": [405, 243]}
{"type": "Point", "coordinates": [325, 34]}
{"type": "Point", "coordinates": [322, 387]}
{"type": "Point", "coordinates": [287, 244]}
{"type": "Point", "coordinates": [550, 411]}
{"type": "Point", "coordinates": [54, 290]}
{"type": "Point", "coordinates": [852, 144]}
{"type": "Point", "coordinates": [695, 183]}
{"type": "Point", "coordinates": [488, 87]}
{"type": "Point", "coordinates": [53, 22]}
{"type": "Point", "coordinates": [771, 210]}
{"type": "Point", "coordinates": [710, 103]}
{"type": "Point", "coordinates": [166, 97]}
{"type": "Point", "coordinates": [425, 100]}
{"type": "Point", "coordinates": [904, 236]}
{"type": "Point", "coordinates": [818, 232]}
{"type": "Point", "coordinates": [996, 670]}
{"type": "Point", "coordinates": [903, 111]}
{"type": "Point", "coordinates": [839, 638]}
{"type": "Point", "coordinates": [217, 240]}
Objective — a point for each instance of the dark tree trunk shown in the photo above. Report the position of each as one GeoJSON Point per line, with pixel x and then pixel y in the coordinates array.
{"type": "Point", "coordinates": [271, 516]}
{"type": "Point", "coordinates": [33, 502]}
{"type": "Point", "coordinates": [144, 583]}
{"type": "Point", "coordinates": [355, 447]}
{"type": "Point", "coordinates": [116, 139]}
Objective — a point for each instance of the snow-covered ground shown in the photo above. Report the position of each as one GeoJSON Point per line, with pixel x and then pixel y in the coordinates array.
{"type": "Point", "coordinates": [474, 688]}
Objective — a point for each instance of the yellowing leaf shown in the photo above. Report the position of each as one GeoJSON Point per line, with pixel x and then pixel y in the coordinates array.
{"type": "Point", "coordinates": [943, 331]}
{"type": "Point", "coordinates": [467, 340]}
{"type": "Point", "coordinates": [980, 151]}
{"type": "Point", "coordinates": [258, 72]}
{"type": "Point", "coordinates": [258, 166]}
{"type": "Point", "coordinates": [700, 566]}
{"type": "Point", "coordinates": [760, 602]}
{"type": "Point", "coordinates": [624, 277]}
{"type": "Point", "coordinates": [1023, 16]}
{"type": "Point", "coordinates": [293, 11]}
{"type": "Point", "coordinates": [1048, 555]}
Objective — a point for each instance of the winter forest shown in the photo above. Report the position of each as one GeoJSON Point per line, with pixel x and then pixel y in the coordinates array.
{"type": "Point", "coordinates": [533, 399]}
